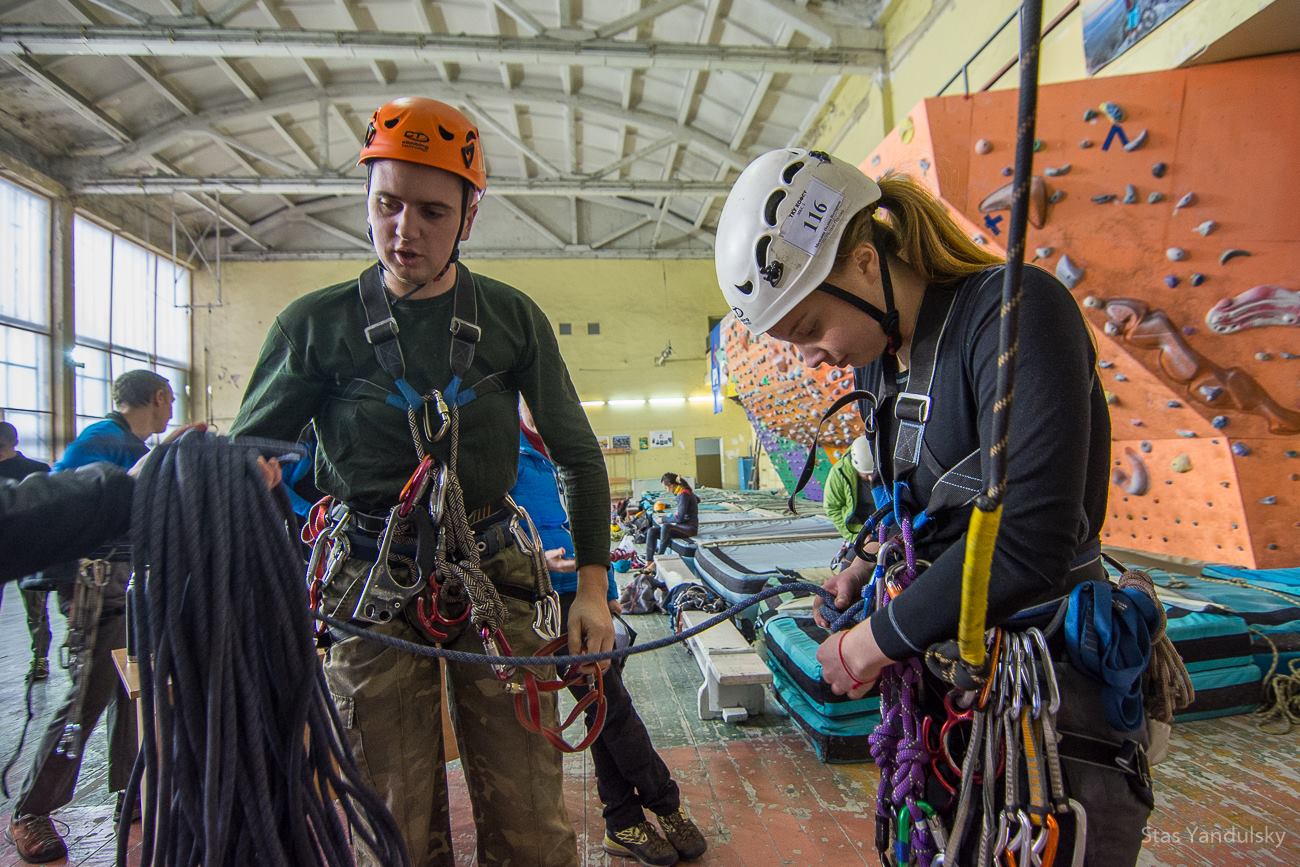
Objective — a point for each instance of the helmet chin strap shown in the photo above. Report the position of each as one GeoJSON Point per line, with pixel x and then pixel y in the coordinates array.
{"type": "Point", "coordinates": [888, 318]}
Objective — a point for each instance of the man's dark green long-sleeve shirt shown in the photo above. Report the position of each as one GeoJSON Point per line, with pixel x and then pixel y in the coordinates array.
{"type": "Point", "coordinates": [316, 365]}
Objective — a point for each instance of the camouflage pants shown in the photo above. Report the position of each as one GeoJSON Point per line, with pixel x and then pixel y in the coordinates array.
{"type": "Point", "coordinates": [389, 701]}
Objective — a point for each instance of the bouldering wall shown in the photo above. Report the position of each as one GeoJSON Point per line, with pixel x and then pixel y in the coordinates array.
{"type": "Point", "coordinates": [1167, 202]}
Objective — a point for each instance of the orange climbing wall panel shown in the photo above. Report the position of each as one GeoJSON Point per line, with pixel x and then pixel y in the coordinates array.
{"type": "Point", "coordinates": [1225, 407]}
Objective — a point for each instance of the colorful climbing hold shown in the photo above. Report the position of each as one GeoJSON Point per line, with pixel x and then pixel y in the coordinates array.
{"type": "Point", "coordinates": [1112, 399]}
{"type": "Point", "coordinates": [1038, 145]}
{"type": "Point", "coordinates": [1228, 255]}
{"type": "Point", "coordinates": [1171, 281]}
{"type": "Point", "coordinates": [1263, 356]}
{"type": "Point", "coordinates": [1292, 453]}
{"type": "Point", "coordinates": [1241, 450]}
{"type": "Point", "coordinates": [1043, 252]}
{"type": "Point", "coordinates": [1220, 421]}
{"type": "Point", "coordinates": [1137, 142]}
{"type": "Point", "coordinates": [1006, 171]}
{"type": "Point", "coordinates": [1056, 196]}
{"type": "Point", "coordinates": [1113, 111]}
{"type": "Point", "coordinates": [1130, 194]}
{"type": "Point", "coordinates": [1175, 254]}
{"type": "Point", "coordinates": [983, 146]}
{"type": "Point", "coordinates": [1119, 377]}
{"type": "Point", "coordinates": [1090, 114]}
{"type": "Point", "coordinates": [1146, 446]}
{"type": "Point", "coordinates": [1189, 330]}
{"type": "Point", "coordinates": [1197, 278]}
{"type": "Point", "coordinates": [1068, 271]}
{"type": "Point", "coordinates": [1186, 434]}
{"type": "Point", "coordinates": [1154, 197]}
{"type": "Point", "coordinates": [1137, 422]}
{"type": "Point", "coordinates": [1058, 171]}
{"type": "Point", "coordinates": [1206, 228]}
{"type": "Point", "coordinates": [1104, 198]}
{"type": "Point", "coordinates": [1092, 302]}
{"type": "Point", "coordinates": [979, 239]}
{"type": "Point", "coordinates": [875, 159]}
{"type": "Point", "coordinates": [1085, 143]}
{"type": "Point", "coordinates": [1210, 393]}
{"type": "Point", "coordinates": [1268, 501]}
{"type": "Point", "coordinates": [1186, 201]}
{"type": "Point", "coordinates": [1290, 356]}
{"type": "Point", "coordinates": [1181, 464]}
{"type": "Point", "coordinates": [1102, 362]}
{"type": "Point", "coordinates": [1174, 404]}
{"type": "Point", "coordinates": [1158, 170]}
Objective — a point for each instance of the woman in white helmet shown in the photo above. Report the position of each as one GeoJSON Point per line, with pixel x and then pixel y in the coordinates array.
{"type": "Point", "coordinates": [876, 276]}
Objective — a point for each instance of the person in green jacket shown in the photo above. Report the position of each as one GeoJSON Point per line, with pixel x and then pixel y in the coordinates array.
{"type": "Point", "coordinates": [848, 499]}
{"type": "Point", "coordinates": [334, 358]}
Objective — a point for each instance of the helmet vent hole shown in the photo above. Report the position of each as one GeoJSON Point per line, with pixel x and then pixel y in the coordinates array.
{"type": "Point", "coordinates": [446, 134]}
{"type": "Point", "coordinates": [760, 250]}
{"type": "Point", "coordinates": [392, 122]}
{"type": "Point", "coordinates": [790, 171]}
{"type": "Point", "coordinates": [746, 288]}
{"type": "Point", "coordinates": [769, 210]}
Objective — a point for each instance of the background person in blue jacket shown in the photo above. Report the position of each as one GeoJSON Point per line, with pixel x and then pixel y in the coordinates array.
{"type": "Point", "coordinates": [144, 407]}
{"type": "Point", "coordinates": [630, 775]}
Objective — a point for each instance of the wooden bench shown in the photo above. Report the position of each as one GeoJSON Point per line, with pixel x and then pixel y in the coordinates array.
{"type": "Point", "coordinates": [734, 675]}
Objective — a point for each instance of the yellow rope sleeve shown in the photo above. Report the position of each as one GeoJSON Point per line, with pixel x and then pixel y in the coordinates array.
{"type": "Point", "coordinates": [981, 538]}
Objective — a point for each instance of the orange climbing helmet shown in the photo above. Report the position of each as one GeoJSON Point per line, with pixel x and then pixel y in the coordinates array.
{"type": "Point", "coordinates": [416, 129]}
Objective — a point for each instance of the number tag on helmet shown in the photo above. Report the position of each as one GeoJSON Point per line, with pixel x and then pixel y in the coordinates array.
{"type": "Point", "coordinates": [814, 214]}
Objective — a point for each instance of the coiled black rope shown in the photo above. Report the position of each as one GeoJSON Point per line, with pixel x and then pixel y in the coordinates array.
{"type": "Point", "coordinates": [230, 681]}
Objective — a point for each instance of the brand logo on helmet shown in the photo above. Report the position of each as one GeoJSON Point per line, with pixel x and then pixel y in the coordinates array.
{"type": "Point", "coordinates": [740, 315]}
{"type": "Point", "coordinates": [415, 140]}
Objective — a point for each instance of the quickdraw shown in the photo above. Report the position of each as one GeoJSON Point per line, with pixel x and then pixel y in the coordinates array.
{"type": "Point", "coordinates": [528, 701]}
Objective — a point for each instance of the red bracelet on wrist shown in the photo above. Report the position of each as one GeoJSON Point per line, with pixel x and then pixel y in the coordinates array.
{"type": "Point", "coordinates": [839, 648]}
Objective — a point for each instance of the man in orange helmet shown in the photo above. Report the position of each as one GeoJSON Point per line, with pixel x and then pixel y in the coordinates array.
{"type": "Point", "coordinates": [470, 343]}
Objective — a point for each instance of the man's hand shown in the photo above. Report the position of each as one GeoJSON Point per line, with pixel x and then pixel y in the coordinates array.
{"type": "Point", "coordinates": [615, 607]}
{"type": "Point", "coordinates": [846, 586]}
{"type": "Point", "coordinates": [591, 629]}
{"type": "Point", "coordinates": [557, 562]}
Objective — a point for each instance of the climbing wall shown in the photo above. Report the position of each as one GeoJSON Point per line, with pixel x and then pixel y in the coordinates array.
{"type": "Point", "coordinates": [784, 401]}
{"type": "Point", "coordinates": [1168, 203]}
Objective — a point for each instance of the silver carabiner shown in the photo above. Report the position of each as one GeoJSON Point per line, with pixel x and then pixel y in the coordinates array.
{"type": "Point", "coordinates": [1049, 670]}
{"type": "Point", "coordinates": [547, 617]}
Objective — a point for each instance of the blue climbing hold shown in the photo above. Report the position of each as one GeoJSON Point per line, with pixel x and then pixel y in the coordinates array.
{"type": "Point", "coordinates": [1171, 281]}
{"type": "Point", "coordinates": [1146, 446]}
{"type": "Point", "coordinates": [1174, 404]}
{"type": "Point", "coordinates": [1210, 393]}
{"type": "Point", "coordinates": [1113, 111]}
{"type": "Point", "coordinates": [1159, 169]}
{"type": "Point", "coordinates": [1241, 450]}
{"type": "Point", "coordinates": [1220, 421]}
{"type": "Point", "coordinates": [1268, 501]}
{"type": "Point", "coordinates": [1090, 114]}
{"type": "Point", "coordinates": [1006, 171]}
{"type": "Point", "coordinates": [1197, 278]}
{"type": "Point", "coordinates": [1187, 434]}
{"type": "Point", "coordinates": [1119, 377]}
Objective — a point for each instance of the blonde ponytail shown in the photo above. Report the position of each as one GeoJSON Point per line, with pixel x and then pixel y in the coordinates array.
{"type": "Point", "coordinates": [912, 225]}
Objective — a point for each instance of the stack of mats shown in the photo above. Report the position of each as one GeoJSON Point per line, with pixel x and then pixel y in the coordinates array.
{"type": "Point", "coordinates": [836, 726]}
{"type": "Point", "coordinates": [1212, 625]}
{"type": "Point", "coordinates": [735, 570]}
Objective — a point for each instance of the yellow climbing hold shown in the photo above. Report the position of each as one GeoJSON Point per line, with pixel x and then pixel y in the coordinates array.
{"type": "Point", "coordinates": [1181, 464]}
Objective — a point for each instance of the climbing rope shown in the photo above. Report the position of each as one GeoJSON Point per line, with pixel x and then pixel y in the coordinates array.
{"type": "Point", "coordinates": [1280, 703]}
{"type": "Point", "coordinates": [230, 681]}
{"type": "Point", "coordinates": [981, 538]}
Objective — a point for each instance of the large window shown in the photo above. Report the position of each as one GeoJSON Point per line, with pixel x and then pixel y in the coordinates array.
{"type": "Point", "coordinates": [25, 386]}
{"type": "Point", "coordinates": [132, 312]}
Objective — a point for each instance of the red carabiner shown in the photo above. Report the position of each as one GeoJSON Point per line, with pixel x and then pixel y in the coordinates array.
{"type": "Point", "coordinates": [528, 704]}
{"type": "Point", "coordinates": [414, 487]}
{"type": "Point", "coordinates": [317, 517]}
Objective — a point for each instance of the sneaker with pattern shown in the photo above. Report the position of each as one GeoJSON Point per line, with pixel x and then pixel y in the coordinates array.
{"type": "Point", "coordinates": [683, 834]}
{"type": "Point", "coordinates": [642, 842]}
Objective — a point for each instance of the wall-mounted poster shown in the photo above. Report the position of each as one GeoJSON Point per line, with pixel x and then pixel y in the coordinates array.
{"type": "Point", "coordinates": [661, 439]}
{"type": "Point", "coordinates": [644, 442]}
{"type": "Point", "coordinates": [604, 443]}
{"type": "Point", "coordinates": [621, 441]}
{"type": "Point", "coordinates": [1111, 27]}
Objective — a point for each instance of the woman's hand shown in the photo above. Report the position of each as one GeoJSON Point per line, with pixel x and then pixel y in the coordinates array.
{"type": "Point", "coordinates": [851, 661]}
{"type": "Point", "coordinates": [557, 562]}
{"type": "Point", "coordinates": [847, 586]}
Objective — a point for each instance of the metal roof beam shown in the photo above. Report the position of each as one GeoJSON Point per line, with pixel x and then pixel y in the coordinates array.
{"type": "Point", "coordinates": [521, 16]}
{"type": "Point", "coordinates": [619, 165]}
{"type": "Point", "coordinates": [813, 25]}
{"type": "Point", "coordinates": [636, 19]}
{"type": "Point", "coordinates": [519, 144]}
{"type": "Point", "coordinates": [314, 70]}
{"type": "Point", "coordinates": [621, 232]}
{"type": "Point", "coordinates": [69, 97]}
{"type": "Point", "coordinates": [342, 234]}
{"type": "Point", "coordinates": [298, 150]}
{"type": "Point", "coordinates": [529, 220]}
{"type": "Point", "coordinates": [168, 134]}
{"type": "Point", "coordinates": [218, 42]}
{"type": "Point", "coordinates": [303, 185]}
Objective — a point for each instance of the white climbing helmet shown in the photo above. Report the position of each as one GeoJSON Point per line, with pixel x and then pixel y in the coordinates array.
{"type": "Point", "coordinates": [860, 453]}
{"type": "Point", "coordinates": [780, 229]}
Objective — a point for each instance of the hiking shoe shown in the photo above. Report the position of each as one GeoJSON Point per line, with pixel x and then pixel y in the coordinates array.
{"type": "Point", "coordinates": [40, 669]}
{"type": "Point", "coordinates": [36, 839]}
{"type": "Point", "coordinates": [641, 842]}
{"type": "Point", "coordinates": [117, 809]}
{"type": "Point", "coordinates": [683, 834]}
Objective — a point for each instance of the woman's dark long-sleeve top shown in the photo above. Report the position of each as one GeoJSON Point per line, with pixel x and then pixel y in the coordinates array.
{"type": "Point", "coordinates": [1058, 462]}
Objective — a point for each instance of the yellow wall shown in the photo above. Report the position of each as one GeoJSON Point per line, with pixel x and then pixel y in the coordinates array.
{"type": "Point", "coordinates": [641, 305]}
{"type": "Point", "coordinates": [926, 41]}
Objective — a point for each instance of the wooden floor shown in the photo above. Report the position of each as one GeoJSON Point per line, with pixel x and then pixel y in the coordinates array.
{"type": "Point", "coordinates": [1227, 795]}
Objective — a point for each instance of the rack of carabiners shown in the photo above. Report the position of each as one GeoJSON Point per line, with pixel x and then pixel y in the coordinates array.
{"type": "Point", "coordinates": [998, 736]}
{"type": "Point", "coordinates": [428, 533]}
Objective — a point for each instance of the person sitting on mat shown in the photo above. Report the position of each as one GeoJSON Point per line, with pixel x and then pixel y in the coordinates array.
{"type": "Point", "coordinates": [684, 523]}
